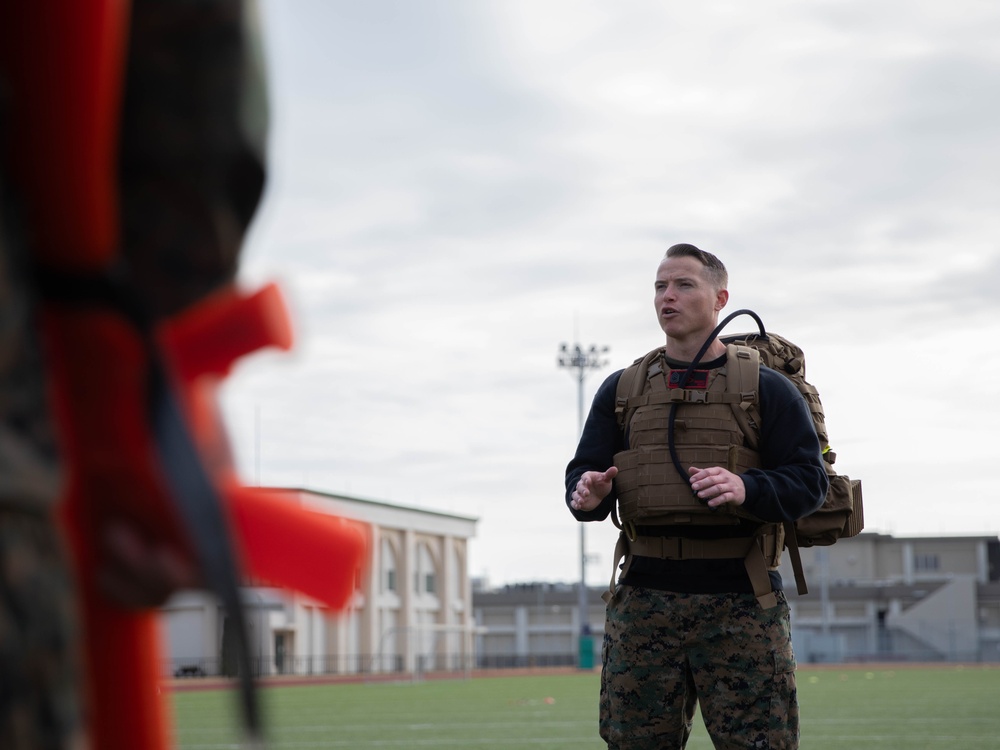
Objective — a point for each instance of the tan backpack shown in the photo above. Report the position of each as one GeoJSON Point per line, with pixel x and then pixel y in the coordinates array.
{"type": "Point", "coordinates": [842, 513]}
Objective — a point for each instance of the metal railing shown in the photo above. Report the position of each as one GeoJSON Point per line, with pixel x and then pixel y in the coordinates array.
{"type": "Point", "coordinates": [386, 664]}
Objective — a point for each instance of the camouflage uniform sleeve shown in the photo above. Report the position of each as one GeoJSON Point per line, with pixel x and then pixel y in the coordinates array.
{"type": "Point", "coordinates": [600, 441]}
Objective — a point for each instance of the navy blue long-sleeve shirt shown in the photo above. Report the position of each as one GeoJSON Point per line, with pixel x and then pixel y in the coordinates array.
{"type": "Point", "coordinates": [790, 483]}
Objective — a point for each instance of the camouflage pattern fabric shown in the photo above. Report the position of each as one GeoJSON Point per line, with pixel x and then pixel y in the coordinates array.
{"type": "Point", "coordinates": [664, 653]}
{"type": "Point", "coordinates": [39, 663]}
{"type": "Point", "coordinates": [191, 174]}
{"type": "Point", "coordinates": [29, 464]}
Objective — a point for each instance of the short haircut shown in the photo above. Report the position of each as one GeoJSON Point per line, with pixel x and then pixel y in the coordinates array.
{"type": "Point", "coordinates": [715, 271]}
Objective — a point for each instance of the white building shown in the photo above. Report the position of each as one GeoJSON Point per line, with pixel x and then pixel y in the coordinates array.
{"type": "Point", "coordinates": [412, 610]}
{"type": "Point", "coordinates": [882, 597]}
{"type": "Point", "coordinates": [871, 597]}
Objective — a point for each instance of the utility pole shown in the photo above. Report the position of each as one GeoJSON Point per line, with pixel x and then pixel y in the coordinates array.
{"type": "Point", "coordinates": [582, 360]}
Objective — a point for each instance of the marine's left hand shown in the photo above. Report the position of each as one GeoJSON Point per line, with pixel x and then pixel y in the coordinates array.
{"type": "Point", "coordinates": [717, 486]}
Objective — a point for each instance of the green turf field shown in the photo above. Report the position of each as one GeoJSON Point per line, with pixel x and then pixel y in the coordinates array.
{"type": "Point", "coordinates": [853, 707]}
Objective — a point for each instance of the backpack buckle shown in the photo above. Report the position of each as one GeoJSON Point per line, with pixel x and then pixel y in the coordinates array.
{"type": "Point", "coordinates": [630, 531]}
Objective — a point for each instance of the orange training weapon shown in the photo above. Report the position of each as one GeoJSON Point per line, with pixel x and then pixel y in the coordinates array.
{"type": "Point", "coordinates": [135, 403]}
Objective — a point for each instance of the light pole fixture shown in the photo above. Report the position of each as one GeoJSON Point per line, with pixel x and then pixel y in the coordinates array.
{"type": "Point", "coordinates": [582, 360]}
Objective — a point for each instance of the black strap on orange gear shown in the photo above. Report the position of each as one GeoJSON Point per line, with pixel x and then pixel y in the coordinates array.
{"type": "Point", "coordinates": [192, 491]}
{"type": "Point", "coordinates": [200, 506]}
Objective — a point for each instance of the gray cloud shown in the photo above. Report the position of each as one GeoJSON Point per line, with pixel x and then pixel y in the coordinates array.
{"type": "Point", "coordinates": [458, 187]}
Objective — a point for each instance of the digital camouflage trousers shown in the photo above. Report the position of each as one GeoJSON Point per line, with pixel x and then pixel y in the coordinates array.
{"type": "Point", "coordinates": [666, 653]}
{"type": "Point", "coordinates": [39, 663]}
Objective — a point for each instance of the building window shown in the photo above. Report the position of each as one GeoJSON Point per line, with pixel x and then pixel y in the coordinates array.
{"type": "Point", "coordinates": [425, 577]}
{"type": "Point", "coordinates": [388, 567]}
{"type": "Point", "coordinates": [926, 562]}
{"type": "Point", "coordinates": [455, 591]}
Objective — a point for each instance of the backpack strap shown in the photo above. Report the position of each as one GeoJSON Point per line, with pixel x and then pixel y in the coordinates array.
{"type": "Point", "coordinates": [631, 384]}
{"type": "Point", "coordinates": [743, 378]}
{"type": "Point", "coordinates": [743, 381]}
{"type": "Point", "coordinates": [792, 545]}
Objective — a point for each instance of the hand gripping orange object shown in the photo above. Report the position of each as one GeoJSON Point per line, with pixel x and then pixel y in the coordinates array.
{"type": "Point", "coordinates": [113, 379]}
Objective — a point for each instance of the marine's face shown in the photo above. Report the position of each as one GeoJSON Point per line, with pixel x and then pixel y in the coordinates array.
{"type": "Point", "coordinates": [687, 304]}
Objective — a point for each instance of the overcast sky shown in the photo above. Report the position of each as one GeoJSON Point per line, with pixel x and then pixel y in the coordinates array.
{"type": "Point", "coordinates": [458, 186]}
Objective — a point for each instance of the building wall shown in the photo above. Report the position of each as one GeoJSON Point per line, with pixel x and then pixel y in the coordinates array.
{"type": "Point", "coordinates": [876, 596]}
{"type": "Point", "coordinates": [535, 624]}
{"type": "Point", "coordinates": [873, 558]}
{"type": "Point", "coordinates": [411, 610]}
{"type": "Point", "coordinates": [870, 598]}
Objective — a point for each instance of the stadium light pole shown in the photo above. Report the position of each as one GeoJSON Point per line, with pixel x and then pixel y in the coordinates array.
{"type": "Point", "coordinates": [582, 360]}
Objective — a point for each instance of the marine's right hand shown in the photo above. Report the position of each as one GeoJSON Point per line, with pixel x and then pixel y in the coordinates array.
{"type": "Point", "coordinates": [139, 573]}
{"type": "Point", "coordinates": [593, 487]}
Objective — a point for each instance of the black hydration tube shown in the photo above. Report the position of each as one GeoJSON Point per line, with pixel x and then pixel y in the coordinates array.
{"type": "Point", "coordinates": [682, 383]}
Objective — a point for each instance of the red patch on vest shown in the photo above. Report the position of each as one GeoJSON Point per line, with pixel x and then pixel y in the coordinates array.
{"type": "Point", "coordinates": [697, 381]}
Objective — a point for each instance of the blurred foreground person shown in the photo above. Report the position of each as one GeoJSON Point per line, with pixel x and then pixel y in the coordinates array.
{"type": "Point", "coordinates": [176, 105]}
